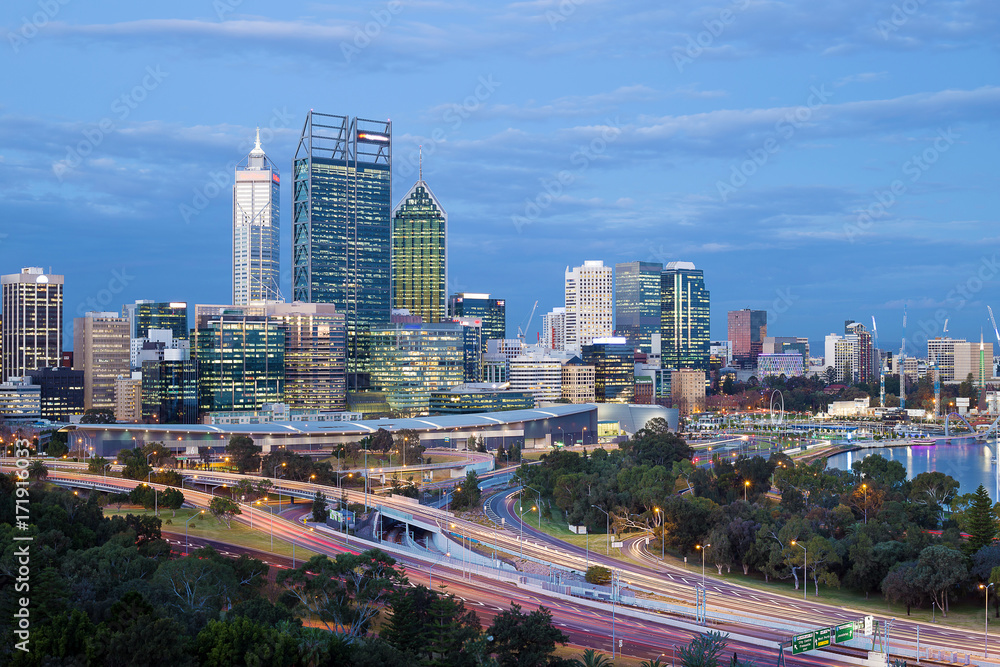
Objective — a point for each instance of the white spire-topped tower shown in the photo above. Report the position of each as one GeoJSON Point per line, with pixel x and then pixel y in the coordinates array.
{"type": "Point", "coordinates": [256, 258]}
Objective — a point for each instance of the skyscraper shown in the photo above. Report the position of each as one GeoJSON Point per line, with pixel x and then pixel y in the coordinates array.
{"type": "Point", "coordinates": [420, 254]}
{"type": "Point", "coordinates": [747, 330]}
{"type": "Point", "coordinates": [314, 354]}
{"type": "Point", "coordinates": [32, 314]}
{"type": "Point", "coordinates": [145, 315]}
{"type": "Point", "coordinates": [101, 351]}
{"type": "Point", "coordinates": [256, 220]}
{"type": "Point", "coordinates": [554, 328]}
{"type": "Point", "coordinates": [588, 304]}
{"type": "Point", "coordinates": [493, 313]}
{"type": "Point", "coordinates": [413, 360]}
{"type": "Point", "coordinates": [684, 317]}
{"type": "Point", "coordinates": [614, 367]}
{"type": "Point", "coordinates": [341, 202]}
{"type": "Point", "coordinates": [637, 302]}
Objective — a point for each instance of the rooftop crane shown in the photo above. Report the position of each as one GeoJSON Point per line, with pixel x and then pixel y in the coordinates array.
{"type": "Point", "coordinates": [521, 333]}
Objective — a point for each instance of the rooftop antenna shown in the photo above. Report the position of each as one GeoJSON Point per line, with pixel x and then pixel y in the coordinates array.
{"type": "Point", "coordinates": [420, 150]}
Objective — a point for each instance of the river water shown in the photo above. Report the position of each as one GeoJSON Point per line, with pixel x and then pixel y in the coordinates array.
{"type": "Point", "coordinates": [971, 465]}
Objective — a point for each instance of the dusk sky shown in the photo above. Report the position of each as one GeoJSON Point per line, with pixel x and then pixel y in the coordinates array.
{"type": "Point", "coordinates": [822, 161]}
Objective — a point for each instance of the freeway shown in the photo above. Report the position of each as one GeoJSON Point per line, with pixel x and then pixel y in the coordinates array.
{"type": "Point", "coordinates": [588, 624]}
{"type": "Point", "coordinates": [723, 597]}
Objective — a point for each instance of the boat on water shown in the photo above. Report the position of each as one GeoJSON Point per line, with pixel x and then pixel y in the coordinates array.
{"type": "Point", "coordinates": [923, 441]}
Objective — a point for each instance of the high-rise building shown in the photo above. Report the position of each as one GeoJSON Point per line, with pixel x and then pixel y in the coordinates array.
{"type": "Point", "coordinates": [170, 390]}
{"type": "Point", "coordinates": [145, 314]}
{"type": "Point", "coordinates": [420, 254]}
{"type": "Point", "coordinates": [20, 400]}
{"type": "Point", "coordinates": [863, 362]}
{"type": "Point", "coordinates": [101, 350]}
{"type": "Point", "coordinates": [256, 222]}
{"type": "Point", "coordinates": [492, 311]}
{"type": "Point", "coordinates": [589, 311]}
{"type": "Point", "coordinates": [32, 322]}
{"type": "Point", "coordinates": [577, 381]}
{"type": "Point", "coordinates": [62, 392]}
{"type": "Point", "coordinates": [747, 330]}
{"type": "Point", "coordinates": [341, 210]}
{"type": "Point", "coordinates": [969, 361]}
{"type": "Point", "coordinates": [315, 355]}
{"type": "Point", "coordinates": [241, 361]}
{"type": "Point", "coordinates": [614, 369]}
{"type": "Point", "coordinates": [637, 302]}
{"type": "Point", "coordinates": [554, 329]}
{"type": "Point", "coordinates": [684, 317]}
{"type": "Point", "coordinates": [539, 371]}
{"type": "Point", "coordinates": [789, 364]}
{"type": "Point", "coordinates": [410, 361]}
{"type": "Point", "coordinates": [941, 354]}
{"type": "Point", "coordinates": [472, 348]}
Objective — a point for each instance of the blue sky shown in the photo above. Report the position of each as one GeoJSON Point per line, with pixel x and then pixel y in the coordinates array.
{"type": "Point", "coordinates": [821, 161]}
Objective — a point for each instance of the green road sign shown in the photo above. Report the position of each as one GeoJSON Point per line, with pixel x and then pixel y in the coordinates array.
{"type": "Point", "coordinates": [803, 643]}
{"type": "Point", "coordinates": [822, 637]}
{"type": "Point", "coordinates": [845, 632]}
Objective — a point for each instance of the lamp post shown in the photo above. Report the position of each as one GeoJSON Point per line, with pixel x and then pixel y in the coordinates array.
{"type": "Point", "coordinates": [986, 621]}
{"type": "Point", "coordinates": [108, 465]}
{"type": "Point", "coordinates": [805, 570]}
{"type": "Point", "coordinates": [538, 495]}
{"type": "Point", "coordinates": [662, 540]}
{"type": "Point", "coordinates": [275, 475]}
{"type": "Point", "coordinates": [864, 487]}
{"type": "Point", "coordinates": [156, 506]}
{"type": "Point", "coordinates": [521, 519]}
{"type": "Point", "coordinates": [703, 549]}
{"type": "Point", "coordinates": [607, 530]}
{"type": "Point", "coordinates": [186, 543]}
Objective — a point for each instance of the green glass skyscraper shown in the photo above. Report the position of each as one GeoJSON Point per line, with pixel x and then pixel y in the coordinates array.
{"type": "Point", "coordinates": [684, 317]}
{"type": "Point", "coordinates": [637, 302]}
{"type": "Point", "coordinates": [341, 203]}
{"type": "Point", "coordinates": [420, 254]}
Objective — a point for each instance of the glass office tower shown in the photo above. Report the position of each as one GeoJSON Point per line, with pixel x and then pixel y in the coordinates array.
{"type": "Point", "coordinates": [32, 322]}
{"type": "Point", "coordinates": [637, 302]}
{"type": "Point", "coordinates": [256, 220]}
{"type": "Point", "coordinates": [341, 206]}
{"type": "Point", "coordinates": [241, 362]}
{"type": "Point", "coordinates": [420, 255]}
{"type": "Point", "coordinates": [144, 315]}
{"type": "Point", "coordinates": [684, 317]}
{"type": "Point", "coordinates": [493, 313]}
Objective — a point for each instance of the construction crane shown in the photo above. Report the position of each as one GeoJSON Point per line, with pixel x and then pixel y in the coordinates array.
{"type": "Point", "coordinates": [522, 332]}
{"type": "Point", "coordinates": [881, 365]}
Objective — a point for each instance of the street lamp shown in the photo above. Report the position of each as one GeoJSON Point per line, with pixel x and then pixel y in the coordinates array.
{"type": "Point", "coordinates": [864, 487]}
{"type": "Point", "coordinates": [805, 570]}
{"type": "Point", "coordinates": [986, 621]}
{"type": "Point", "coordinates": [703, 550]}
{"type": "Point", "coordinates": [746, 485]}
{"type": "Point", "coordinates": [156, 507]}
{"type": "Point", "coordinates": [108, 465]}
{"type": "Point", "coordinates": [607, 530]}
{"type": "Point", "coordinates": [521, 517]}
{"type": "Point", "coordinates": [275, 475]}
{"type": "Point", "coordinates": [186, 542]}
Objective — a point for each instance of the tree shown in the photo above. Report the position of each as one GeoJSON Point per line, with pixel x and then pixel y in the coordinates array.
{"type": "Point", "coordinates": [195, 588]}
{"type": "Point", "coordinates": [98, 416]}
{"type": "Point", "coordinates": [224, 509]}
{"type": "Point", "coordinates": [347, 593]}
{"type": "Point", "coordinates": [381, 441]}
{"type": "Point", "coordinates": [981, 522]}
{"type": "Point", "coordinates": [934, 489]}
{"type": "Point", "coordinates": [434, 627]}
{"type": "Point", "coordinates": [37, 470]}
{"type": "Point", "coordinates": [525, 640]}
{"type": "Point", "coordinates": [242, 641]}
{"type": "Point", "coordinates": [704, 650]}
{"type": "Point", "coordinates": [598, 574]}
{"type": "Point", "coordinates": [243, 453]}
{"type": "Point", "coordinates": [468, 494]}
{"type": "Point", "coordinates": [171, 499]}
{"type": "Point", "coordinates": [319, 511]}
{"type": "Point", "coordinates": [592, 658]}
{"type": "Point", "coordinates": [134, 463]}
{"type": "Point", "coordinates": [938, 570]}
{"type": "Point", "coordinates": [900, 585]}
{"type": "Point", "coordinates": [96, 465]}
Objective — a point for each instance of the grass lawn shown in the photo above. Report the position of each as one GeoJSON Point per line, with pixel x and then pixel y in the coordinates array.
{"type": "Point", "coordinates": [209, 528]}
{"type": "Point", "coordinates": [965, 614]}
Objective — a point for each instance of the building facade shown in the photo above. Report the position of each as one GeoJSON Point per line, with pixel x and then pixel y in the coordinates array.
{"type": "Point", "coordinates": [241, 362]}
{"type": "Point", "coordinates": [492, 311]}
{"type": "Point", "coordinates": [537, 371]}
{"type": "Point", "coordinates": [20, 400]}
{"type": "Point", "coordinates": [637, 302]}
{"type": "Point", "coordinates": [684, 317]}
{"type": "Point", "coordinates": [128, 398]}
{"type": "Point", "coordinates": [747, 330]}
{"type": "Point", "coordinates": [554, 329]}
{"type": "Point", "coordinates": [315, 355]}
{"type": "Point", "coordinates": [472, 398]}
{"type": "Point", "coordinates": [589, 309]}
{"type": "Point", "coordinates": [941, 354]}
{"type": "Point", "coordinates": [789, 364]}
{"type": "Point", "coordinates": [341, 210]}
{"type": "Point", "coordinates": [170, 391]}
{"type": "Point", "coordinates": [420, 254]}
{"type": "Point", "coordinates": [256, 223]}
{"type": "Point", "coordinates": [101, 350]}
{"type": "Point", "coordinates": [577, 381]}
{"type": "Point", "coordinates": [614, 369]}
{"type": "Point", "coordinates": [687, 390]}
{"type": "Point", "coordinates": [31, 322]}
{"type": "Point", "coordinates": [411, 361]}
{"type": "Point", "coordinates": [61, 392]}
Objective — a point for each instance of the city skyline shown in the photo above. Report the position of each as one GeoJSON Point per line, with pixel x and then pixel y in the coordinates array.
{"type": "Point", "coordinates": [870, 101]}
